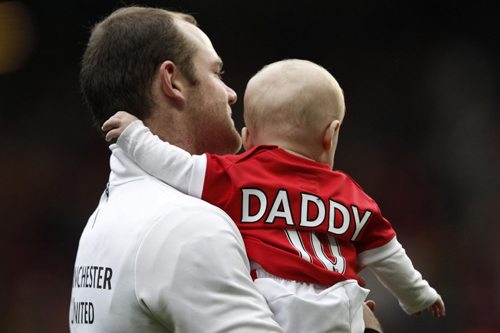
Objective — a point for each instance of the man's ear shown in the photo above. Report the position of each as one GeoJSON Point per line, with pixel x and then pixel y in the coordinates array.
{"type": "Point", "coordinates": [332, 128]}
{"type": "Point", "coordinates": [171, 81]}
{"type": "Point", "coordinates": [247, 139]}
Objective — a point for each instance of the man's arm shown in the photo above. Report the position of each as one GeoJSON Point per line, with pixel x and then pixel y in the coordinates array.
{"type": "Point", "coordinates": [192, 274]}
{"type": "Point", "coordinates": [169, 163]}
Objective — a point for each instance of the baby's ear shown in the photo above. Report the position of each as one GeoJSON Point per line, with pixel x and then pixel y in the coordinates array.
{"type": "Point", "coordinates": [329, 135]}
{"type": "Point", "coordinates": [246, 138]}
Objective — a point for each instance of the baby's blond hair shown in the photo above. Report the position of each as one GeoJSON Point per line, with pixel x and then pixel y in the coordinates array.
{"type": "Point", "coordinates": [293, 99]}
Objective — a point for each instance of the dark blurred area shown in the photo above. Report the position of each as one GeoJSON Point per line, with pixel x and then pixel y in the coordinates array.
{"type": "Point", "coordinates": [421, 82]}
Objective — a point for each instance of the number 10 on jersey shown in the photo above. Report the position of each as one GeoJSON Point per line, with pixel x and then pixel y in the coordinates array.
{"type": "Point", "coordinates": [332, 246]}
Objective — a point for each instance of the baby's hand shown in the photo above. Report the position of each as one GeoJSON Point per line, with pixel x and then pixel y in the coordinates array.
{"type": "Point", "coordinates": [437, 309]}
{"type": "Point", "coordinates": [117, 124]}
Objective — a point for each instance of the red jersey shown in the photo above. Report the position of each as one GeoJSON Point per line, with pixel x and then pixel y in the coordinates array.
{"type": "Point", "coordinates": [299, 219]}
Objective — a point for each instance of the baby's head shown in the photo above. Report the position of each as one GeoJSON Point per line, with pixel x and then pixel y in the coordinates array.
{"type": "Point", "coordinates": [297, 105]}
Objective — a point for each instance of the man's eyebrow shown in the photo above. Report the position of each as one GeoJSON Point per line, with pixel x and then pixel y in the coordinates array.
{"type": "Point", "coordinates": [219, 64]}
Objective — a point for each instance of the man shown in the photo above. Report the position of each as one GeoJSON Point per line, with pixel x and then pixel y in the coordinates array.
{"type": "Point", "coordinates": [150, 258]}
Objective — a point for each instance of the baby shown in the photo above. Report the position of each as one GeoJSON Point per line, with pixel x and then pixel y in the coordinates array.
{"type": "Point", "coordinates": [307, 229]}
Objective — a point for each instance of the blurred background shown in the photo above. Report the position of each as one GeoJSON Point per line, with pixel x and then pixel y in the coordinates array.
{"type": "Point", "coordinates": [421, 82]}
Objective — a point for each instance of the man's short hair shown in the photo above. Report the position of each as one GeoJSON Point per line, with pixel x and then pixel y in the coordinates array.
{"type": "Point", "coordinates": [123, 54]}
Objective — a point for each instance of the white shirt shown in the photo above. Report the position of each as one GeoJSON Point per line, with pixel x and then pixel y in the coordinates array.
{"type": "Point", "coordinates": [152, 259]}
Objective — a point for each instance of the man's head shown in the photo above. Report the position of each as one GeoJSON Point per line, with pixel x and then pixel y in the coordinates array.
{"type": "Point", "coordinates": [152, 63]}
{"type": "Point", "coordinates": [295, 102]}
{"type": "Point", "coordinates": [123, 55]}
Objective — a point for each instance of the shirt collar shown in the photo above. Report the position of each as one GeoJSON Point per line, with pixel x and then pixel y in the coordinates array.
{"type": "Point", "coordinates": [123, 169]}
{"type": "Point", "coordinates": [289, 157]}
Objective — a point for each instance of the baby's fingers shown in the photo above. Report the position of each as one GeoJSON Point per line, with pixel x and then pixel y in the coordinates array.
{"type": "Point", "coordinates": [113, 134]}
{"type": "Point", "coordinates": [111, 123]}
{"type": "Point", "coordinates": [117, 124]}
{"type": "Point", "coordinates": [438, 310]}
{"type": "Point", "coordinates": [434, 310]}
{"type": "Point", "coordinates": [441, 308]}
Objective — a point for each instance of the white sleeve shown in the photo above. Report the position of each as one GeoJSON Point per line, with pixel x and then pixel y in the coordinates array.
{"type": "Point", "coordinates": [166, 162]}
{"type": "Point", "coordinates": [394, 269]}
{"type": "Point", "coordinates": [193, 275]}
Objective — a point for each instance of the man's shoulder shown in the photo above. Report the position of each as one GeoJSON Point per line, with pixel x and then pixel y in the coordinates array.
{"type": "Point", "coordinates": [179, 220]}
{"type": "Point", "coordinates": [159, 198]}
{"type": "Point", "coordinates": [149, 208]}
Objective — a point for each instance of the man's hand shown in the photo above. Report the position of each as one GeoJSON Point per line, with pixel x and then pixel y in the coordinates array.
{"type": "Point", "coordinates": [370, 320]}
{"type": "Point", "coordinates": [362, 284]}
{"type": "Point", "coordinates": [437, 309]}
{"type": "Point", "coordinates": [368, 307]}
{"type": "Point", "coordinates": [117, 124]}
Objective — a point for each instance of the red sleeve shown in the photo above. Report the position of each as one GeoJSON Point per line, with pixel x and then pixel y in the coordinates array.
{"type": "Point", "coordinates": [376, 233]}
{"type": "Point", "coordinates": [217, 188]}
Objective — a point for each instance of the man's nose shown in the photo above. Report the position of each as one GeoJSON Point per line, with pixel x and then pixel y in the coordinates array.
{"type": "Point", "coordinates": [231, 96]}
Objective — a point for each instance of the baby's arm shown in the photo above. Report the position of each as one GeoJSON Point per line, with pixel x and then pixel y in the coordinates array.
{"type": "Point", "coordinates": [169, 163]}
{"type": "Point", "coordinates": [394, 269]}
